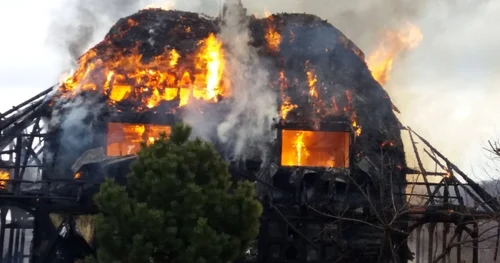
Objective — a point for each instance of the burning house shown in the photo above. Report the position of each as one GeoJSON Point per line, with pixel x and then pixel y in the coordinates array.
{"type": "Point", "coordinates": [292, 106]}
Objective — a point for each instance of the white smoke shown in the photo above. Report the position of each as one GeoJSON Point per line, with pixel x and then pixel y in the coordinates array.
{"type": "Point", "coordinates": [252, 106]}
{"type": "Point", "coordinates": [79, 25]}
{"type": "Point", "coordinates": [75, 117]}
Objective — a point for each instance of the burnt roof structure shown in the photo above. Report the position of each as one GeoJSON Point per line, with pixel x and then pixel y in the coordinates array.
{"type": "Point", "coordinates": [344, 202]}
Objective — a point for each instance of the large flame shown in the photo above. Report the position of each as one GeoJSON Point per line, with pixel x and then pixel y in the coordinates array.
{"type": "Point", "coordinates": [4, 176]}
{"type": "Point", "coordinates": [393, 44]}
{"type": "Point", "coordinates": [315, 148]}
{"type": "Point", "coordinates": [273, 37]}
{"type": "Point", "coordinates": [127, 76]}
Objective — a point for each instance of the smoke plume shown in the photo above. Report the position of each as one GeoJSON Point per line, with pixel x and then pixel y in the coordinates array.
{"type": "Point", "coordinates": [80, 24]}
{"type": "Point", "coordinates": [252, 107]}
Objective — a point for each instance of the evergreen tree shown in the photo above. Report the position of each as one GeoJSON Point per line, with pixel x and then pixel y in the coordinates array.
{"type": "Point", "coordinates": [179, 206]}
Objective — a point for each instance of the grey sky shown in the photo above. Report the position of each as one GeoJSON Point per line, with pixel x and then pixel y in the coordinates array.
{"type": "Point", "coordinates": [26, 65]}
{"type": "Point", "coordinates": [447, 88]}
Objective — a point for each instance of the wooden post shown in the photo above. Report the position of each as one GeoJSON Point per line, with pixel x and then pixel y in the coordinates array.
{"type": "Point", "coordinates": [459, 247]}
{"type": "Point", "coordinates": [418, 248]}
{"type": "Point", "coordinates": [431, 227]}
{"type": "Point", "coordinates": [446, 229]}
{"type": "Point", "coordinates": [475, 243]}
{"type": "Point", "coordinates": [3, 222]}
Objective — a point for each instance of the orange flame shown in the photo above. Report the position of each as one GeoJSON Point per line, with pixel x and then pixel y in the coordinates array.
{"type": "Point", "coordinates": [272, 36]}
{"type": "Point", "coordinates": [4, 176]}
{"type": "Point", "coordinates": [300, 147]}
{"type": "Point", "coordinates": [393, 44]}
{"type": "Point", "coordinates": [212, 59]}
{"type": "Point", "coordinates": [127, 76]}
{"type": "Point", "coordinates": [286, 103]}
{"type": "Point", "coordinates": [125, 138]}
{"type": "Point", "coordinates": [311, 79]}
{"type": "Point", "coordinates": [354, 117]}
{"type": "Point", "coordinates": [315, 148]}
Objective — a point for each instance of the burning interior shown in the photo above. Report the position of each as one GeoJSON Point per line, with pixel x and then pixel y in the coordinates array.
{"type": "Point", "coordinates": [4, 175]}
{"type": "Point", "coordinates": [126, 138]}
{"type": "Point", "coordinates": [315, 148]}
{"type": "Point", "coordinates": [157, 67]}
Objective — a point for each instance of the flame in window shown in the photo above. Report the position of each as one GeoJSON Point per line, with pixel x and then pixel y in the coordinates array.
{"type": "Point", "coordinates": [126, 138]}
{"type": "Point", "coordinates": [300, 148]}
{"type": "Point", "coordinates": [4, 175]}
{"type": "Point", "coordinates": [315, 148]}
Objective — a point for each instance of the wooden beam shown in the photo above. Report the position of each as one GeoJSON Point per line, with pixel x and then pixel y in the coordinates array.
{"type": "Point", "coordinates": [421, 167]}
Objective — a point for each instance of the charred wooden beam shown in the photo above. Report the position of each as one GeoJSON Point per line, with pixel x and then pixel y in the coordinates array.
{"type": "Point", "coordinates": [18, 107]}
{"type": "Point", "coordinates": [431, 228]}
{"type": "Point", "coordinates": [459, 232]}
{"type": "Point", "coordinates": [418, 255]}
{"type": "Point", "coordinates": [421, 166]}
{"type": "Point", "coordinates": [475, 242]}
{"type": "Point", "coordinates": [476, 187]}
{"type": "Point", "coordinates": [452, 179]}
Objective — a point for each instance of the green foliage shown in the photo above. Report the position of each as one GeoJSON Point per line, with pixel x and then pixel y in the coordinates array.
{"type": "Point", "coordinates": [179, 206]}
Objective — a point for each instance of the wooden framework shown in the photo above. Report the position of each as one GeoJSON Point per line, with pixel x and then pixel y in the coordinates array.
{"type": "Point", "coordinates": [455, 207]}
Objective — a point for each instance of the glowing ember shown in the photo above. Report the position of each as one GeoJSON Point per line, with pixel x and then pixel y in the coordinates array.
{"type": "Point", "coordinates": [4, 176]}
{"type": "Point", "coordinates": [311, 79]}
{"type": "Point", "coordinates": [127, 77]}
{"type": "Point", "coordinates": [126, 138]}
{"type": "Point", "coordinates": [394, 44]}
{"type": "Point", "coordinates": [388, 143]}
{"type": "Point", "coordinates": [357, 128]}
{"type": "Point", "coordinates": [315, 149]}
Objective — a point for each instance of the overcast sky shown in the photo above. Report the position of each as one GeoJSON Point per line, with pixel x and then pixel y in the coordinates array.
{"type": "Point", "coordinates": [26, 64]}
{"type": "Point", "coordinates": [447, 88]}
